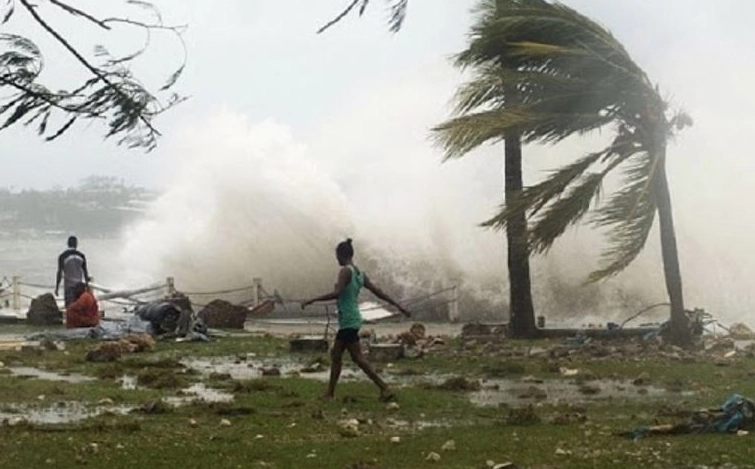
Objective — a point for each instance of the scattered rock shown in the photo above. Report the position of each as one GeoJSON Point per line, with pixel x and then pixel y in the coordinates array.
{"type": "Point", "coordinates": [109, 351]}
{"type": "Point", "coordinates": [349, 428]}
{"type": "Point", "coordinates": [433, 457]}
{"type": "Point", "coordinates": [141, 342]}
{"type": "Point", "coordinates": [392, 406]}
{"type": "Point", "coordinates": [193, 423]}
{"type": "Point", "coordinates": [740, 331]}
{"type": "Point", "coordinates": [274, 371]}
{"type": "Point", "coordinates": [43, 311]}
{"type": "Point", "coordinates": [223, 314]}
{"type": "Point", "coordinates": [449, 445]}
{"type": "Point", "coordinates": [395, 439]}
{"type": "Point", "coordinates": [642, 380]}
{"type": "Point", "coordinates": [225, 423]}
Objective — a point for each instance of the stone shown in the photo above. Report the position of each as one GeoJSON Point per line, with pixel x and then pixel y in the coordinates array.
{"type": "Point", "coordinates": [223, 314]}
{"type": "Point", "coordinates": [142, 342]}
{"type": "Point", "coordinates": [433, 457]}
{"type": "Point", "coordinates": [225, 423]}
{"type": "Point", "coordinates": [349, 428]}
{"type": "Point", "coordinates": [740, 331]}
{"type": "Point", "coordinates": [271, 371]}
{"type": "Point", "coordinates": [43, 311]}
{"type": "Point", "coordinates": [395, 440]}
{"type": "Point", "coordinates": [449, 445]}
{"type": "Point", "coordinates": [642, 380]}
{"type": "Point", "coordinates": [109, 351]}
{"type": "Point", "coordinates": [308, 344]}
{"type": "Point", "coordinates": [392, 406]}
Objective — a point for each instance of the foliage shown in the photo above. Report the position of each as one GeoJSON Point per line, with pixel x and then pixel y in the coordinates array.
{"type": "Point", "coordinates": [569, 76]}
{"type": "Point", "coordinates": [397, 10]}
{"type": "Point", "coordinates": [97, 206]}
{"type": "Point", "coordinates": [110, 93]}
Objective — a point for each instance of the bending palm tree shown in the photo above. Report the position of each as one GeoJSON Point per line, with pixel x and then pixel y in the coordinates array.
{"type": "Point", "coordinates": [565, 75]}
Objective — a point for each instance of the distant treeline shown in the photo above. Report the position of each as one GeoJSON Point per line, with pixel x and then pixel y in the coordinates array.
{"type": "Point", "coordinates": [98, 206]}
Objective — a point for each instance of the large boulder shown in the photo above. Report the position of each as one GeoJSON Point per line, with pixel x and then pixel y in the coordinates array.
{"type": "Point", "coordinates": [223, 314]}
{"type": "Point", "coordinates": [44, 311]}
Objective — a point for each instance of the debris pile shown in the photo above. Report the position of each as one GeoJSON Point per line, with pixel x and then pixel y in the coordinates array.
{"type": "Point", "coordinates": [44, 311]}
{"type": "Point", "coordinates": [223, 314]}
{"type": "Point", "coordinates": [113, 350]}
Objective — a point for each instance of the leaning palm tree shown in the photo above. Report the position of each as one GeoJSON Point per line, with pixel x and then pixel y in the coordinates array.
{"type": "Point", "coordinates": [572, 76]}
{"type": "Point", "coordinates": [487, 56]}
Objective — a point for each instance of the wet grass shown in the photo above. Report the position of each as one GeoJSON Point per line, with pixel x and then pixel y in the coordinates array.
{"type": "Point", "coordinates": [280, 422]}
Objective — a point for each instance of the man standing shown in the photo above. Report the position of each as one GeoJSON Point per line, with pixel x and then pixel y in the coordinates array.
{"type": "Point", "coordinates": [72, 268]}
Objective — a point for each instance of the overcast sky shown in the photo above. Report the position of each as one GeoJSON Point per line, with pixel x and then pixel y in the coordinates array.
{"type": "Point", "coordinates": [262, 59]}
{"type": "Point", "coordinates": [360, 100]}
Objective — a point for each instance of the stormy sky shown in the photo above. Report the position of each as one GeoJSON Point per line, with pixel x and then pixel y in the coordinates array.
{"type": "Point", "coordinates": [356, 104]}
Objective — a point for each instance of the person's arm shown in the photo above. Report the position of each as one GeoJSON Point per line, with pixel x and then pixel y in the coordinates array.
{"type": "Point", "coordinates": [59, 275]}
{"type": "Point", "coordinates": [383, 296]}
{"type": "Point", "coordinates": [344, 277]}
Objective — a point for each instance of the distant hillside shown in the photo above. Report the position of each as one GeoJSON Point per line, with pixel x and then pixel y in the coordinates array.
{"type": "Point", "coordinates": [98, 206]}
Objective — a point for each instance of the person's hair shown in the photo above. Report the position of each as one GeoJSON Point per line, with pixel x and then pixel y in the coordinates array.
{"type": "Point", "coordinates": [72, 241]}
{"type": "Point", "coordinates": [345, 250]}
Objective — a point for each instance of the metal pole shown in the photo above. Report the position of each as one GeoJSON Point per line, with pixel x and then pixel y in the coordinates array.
{"type": "Point", "coordinates": [453, 305]}
{"type": "Point", "coordinates": [257, 282]}
{"type": "Point", "coordinates": [16, 299]}
{"type": "Point", "coordinates": [170, 283]}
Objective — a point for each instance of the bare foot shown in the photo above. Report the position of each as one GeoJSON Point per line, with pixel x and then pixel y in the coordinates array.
{"type": "Point", "coordinates": [386, 395]}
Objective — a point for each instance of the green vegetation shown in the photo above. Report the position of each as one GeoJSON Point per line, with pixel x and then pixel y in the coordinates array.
{"type": "Point", "coordinates": [281, 422]}
{"type": "Point", "coordinates": [98, 206]}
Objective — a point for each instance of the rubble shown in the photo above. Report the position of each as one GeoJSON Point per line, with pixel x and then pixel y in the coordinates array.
{"type": "Point", "coordinates": [43, 311]}
{"type": "Point", "coordinates": [112, 350]}
{"type": "Point", "coordinates": [223, 314]}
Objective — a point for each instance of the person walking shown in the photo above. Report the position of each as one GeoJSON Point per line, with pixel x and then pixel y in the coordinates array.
{"type": "Point", "coordinates": [350, 282]}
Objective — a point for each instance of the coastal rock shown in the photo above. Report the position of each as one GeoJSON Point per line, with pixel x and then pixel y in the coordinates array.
{"type": "Point", "coordinates": [223, 314]}
{"type": "Point", "coordinates": [44, 311]}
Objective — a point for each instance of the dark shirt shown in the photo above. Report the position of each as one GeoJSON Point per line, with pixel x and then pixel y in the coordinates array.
{"type": "Point", "coordinates": [73, 265]}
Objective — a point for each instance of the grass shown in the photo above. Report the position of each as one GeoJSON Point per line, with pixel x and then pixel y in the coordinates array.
{"type": "Point", "coordinates": [279, 422]}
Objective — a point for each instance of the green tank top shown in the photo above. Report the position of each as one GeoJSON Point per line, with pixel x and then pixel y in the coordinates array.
{"type": "Point", "coordinates": [349, 316]}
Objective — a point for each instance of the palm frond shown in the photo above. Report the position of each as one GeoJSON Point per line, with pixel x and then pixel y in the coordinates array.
{"type": "Point", "coordinates": [629, 215]}
{"type": "Point", "coordinates": [564, 212]}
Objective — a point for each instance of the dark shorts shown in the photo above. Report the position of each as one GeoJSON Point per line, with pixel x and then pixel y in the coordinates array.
{"type": "Point", "coordinates": [348, 336]}
{"type": "Point", "coordinates": [69, 295]}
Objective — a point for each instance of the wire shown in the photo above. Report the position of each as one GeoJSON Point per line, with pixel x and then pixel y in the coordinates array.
{"type": "Point", "coordinates": [234, 290]}
{"type": "Point", "coordinates": [37, 285]}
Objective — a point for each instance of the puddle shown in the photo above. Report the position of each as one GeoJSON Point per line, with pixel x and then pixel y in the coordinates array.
{"type": "Point", "coordinates": [252, 369]}
{"type": "Point", "coordinates": [516, 393]}
{"type": "Point", "coordinates": [36, 373]}
{"type": "Point", "coordinates": [61, 412]}
{"type": "Point", "coordinates": [198, 392]}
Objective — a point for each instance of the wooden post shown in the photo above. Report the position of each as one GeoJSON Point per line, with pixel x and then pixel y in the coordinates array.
{"type": "Point", "coordinates": [170, 283]}
{"type": "Point", "coordinates": [257, 283]}
{"type": "Point", "coordinates": [16, 299]}
{"type": "Point", "coordinates": [453, 305]}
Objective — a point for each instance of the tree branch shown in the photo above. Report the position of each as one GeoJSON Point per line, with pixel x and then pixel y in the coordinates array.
{"type": "Point", "coordinates": [92, 69]}
{"type": "Point", "coordinates": [338, 18]}
{"type": "Point", "coordinates": [76, 12]}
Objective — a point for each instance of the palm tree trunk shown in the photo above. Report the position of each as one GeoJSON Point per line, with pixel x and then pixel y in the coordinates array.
{"type": "Point", "coordinates": [522, 312]}
{"type": "Point", "coordinates": [679, 332]}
